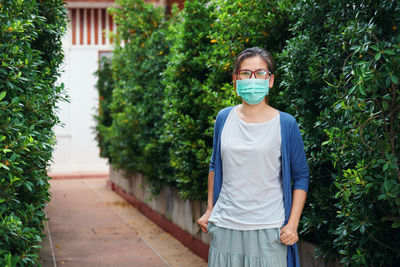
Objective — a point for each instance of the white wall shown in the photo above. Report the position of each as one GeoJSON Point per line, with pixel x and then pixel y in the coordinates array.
{"type": "Point", "coordinates": [76, 150]}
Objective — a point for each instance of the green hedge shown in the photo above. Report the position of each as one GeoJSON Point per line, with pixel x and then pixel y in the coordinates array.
{"type": "Point", "coordinates": [30, 54]}
{"type": "Point", "coordinates": [105, 87]}
{"type": "Point", "coordinates": [137, 98]}
{"type": "Point", "coordinates": [340, 76]}
{"type": "Point", "coordinates": [186, 115]}
{"type": "Point", "coordinates": [337, 74]}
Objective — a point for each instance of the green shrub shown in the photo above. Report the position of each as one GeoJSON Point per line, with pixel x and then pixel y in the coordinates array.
{"type": "Point", "coordinates": [186, 116]}
{"type": "Point", "coordinates": [30, 54]}
{"type": "Point", "coordinates": [105, 86]}
{"type": "Point", "coordinates": [343, 87]}
{"type": "Point", "coordinates": [365, 141]}
{"type": "Point", "coordinates": [136, 107]}
{"type": "Point", "coordinates": [311, 59]}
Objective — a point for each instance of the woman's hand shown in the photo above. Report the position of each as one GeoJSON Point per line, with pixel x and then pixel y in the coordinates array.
{"type": "Point", "coordinates": [289, 234]}
{"type": "Point", "coordinates": [203, 221]}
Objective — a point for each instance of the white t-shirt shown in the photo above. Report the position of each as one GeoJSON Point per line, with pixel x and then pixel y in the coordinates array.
{"type": "Point", "coordinates": [251, 195]}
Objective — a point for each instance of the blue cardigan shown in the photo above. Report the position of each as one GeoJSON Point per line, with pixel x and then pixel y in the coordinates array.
{"type": "Point", "coordinates": [294, 166]}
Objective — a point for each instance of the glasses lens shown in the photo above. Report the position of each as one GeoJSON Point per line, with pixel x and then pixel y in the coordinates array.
{"type": "Point", "coordinates": [261, 74]}
{"type": "Point", "coordinates": [245, 74]}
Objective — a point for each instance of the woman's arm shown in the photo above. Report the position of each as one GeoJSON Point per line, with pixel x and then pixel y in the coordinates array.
{"type": "Point", "coordinates": [210, 198]}
{"type": "Point", "coordinates": [289, 234]}
{"type": "Point", "coordinates": [203, 220]}
{"type": "Point", "coordinates": [299, 199]}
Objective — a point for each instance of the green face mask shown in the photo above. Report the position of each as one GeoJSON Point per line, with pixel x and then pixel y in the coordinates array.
{"type": "Point", "coordinates": [252, 91]}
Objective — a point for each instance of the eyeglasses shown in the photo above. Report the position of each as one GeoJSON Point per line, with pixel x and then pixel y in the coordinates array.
{"type": "Point", "coordinates": [258, 74]}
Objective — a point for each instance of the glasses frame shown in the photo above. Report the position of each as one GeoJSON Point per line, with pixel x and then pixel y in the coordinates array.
{"type": "Point", "coordinates": [254, 72]}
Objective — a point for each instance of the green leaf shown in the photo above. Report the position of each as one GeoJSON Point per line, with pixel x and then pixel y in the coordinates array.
{"type": "Point", "coordinates": [378, 56]}
{"type": "Point", "coordinates": [385, 167]}
{"type": "Point", "coordinates": [28, 186]}
{"type": "Point", "coordinates": [352, 89]}
{"type": "Point", "coordinates": [396, 225]}
{"type": "Point", "coordinates": [338, 106]}
{"type": "Point", "coordinates": [337, 185]}
{"type": "Point", "coordinates": [389, 52]}
{"type": "Point", "coordinates": [346, 195]}
{"type": "Point", "coordinates": [385, 105]}
{"type": "Point", "coordinates": [375, 47]}
{"type": "Point", "coordinates": [394, 79]}
{"type": "Point", "coordinates": [2, 95]}
{"type": "Point", "coordinates": [362, 90]}
{"type": "Point", "coordinates": [386, 185]}
{"type": "Point", "coordinates": [4, 166]}
{"type": "Point", "coordinates": [362, 228]}
{"type": "Point", "coordinates": [381, 197]}
{"type": "Point", "coordinates": [387, 81]}
{"type": "Point", "coordinates": [382, 161]}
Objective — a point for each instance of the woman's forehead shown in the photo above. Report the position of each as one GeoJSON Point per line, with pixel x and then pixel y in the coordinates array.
{"type": "Point", "coordinates": [253, 63]}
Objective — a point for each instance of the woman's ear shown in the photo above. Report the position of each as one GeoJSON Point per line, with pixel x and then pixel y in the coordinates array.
{"type": "Point", "coordinates": [271, 81]}
{"type": "Point", "coordinates": [234, 80]}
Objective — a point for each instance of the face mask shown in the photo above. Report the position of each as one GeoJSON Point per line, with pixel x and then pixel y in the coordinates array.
{"type": "Point", "coordinates": [252, 91]}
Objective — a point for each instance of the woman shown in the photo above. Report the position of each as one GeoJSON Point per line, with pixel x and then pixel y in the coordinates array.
{"type": "Point", "coordinates": [258, 151]}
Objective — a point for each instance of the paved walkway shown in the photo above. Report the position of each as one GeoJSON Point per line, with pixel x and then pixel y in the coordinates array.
{"type": "Point", "coordinates": [91, 225]}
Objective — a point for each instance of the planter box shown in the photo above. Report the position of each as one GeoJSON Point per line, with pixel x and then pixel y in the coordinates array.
{"type": "Point", "coordinates": [179, 217]}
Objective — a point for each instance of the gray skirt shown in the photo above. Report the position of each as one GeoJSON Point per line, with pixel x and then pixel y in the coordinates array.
{"type": "Point", "coordinates": [246, 248]}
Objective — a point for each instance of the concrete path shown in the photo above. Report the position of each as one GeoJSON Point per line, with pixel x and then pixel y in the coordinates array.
{"type": "Point", "coordinates": [91, 225]}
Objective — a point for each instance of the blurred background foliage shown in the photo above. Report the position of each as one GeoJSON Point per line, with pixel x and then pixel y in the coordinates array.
{"type": "Point", "coordinates": [337, 74]}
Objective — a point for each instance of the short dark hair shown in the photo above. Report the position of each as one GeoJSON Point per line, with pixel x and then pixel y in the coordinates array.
{"type": "Point", "coordinates": [252, 52]}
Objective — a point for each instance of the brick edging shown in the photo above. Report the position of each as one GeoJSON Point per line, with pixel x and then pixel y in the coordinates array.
{"type": "Point", "coordinates": [197, 246]}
